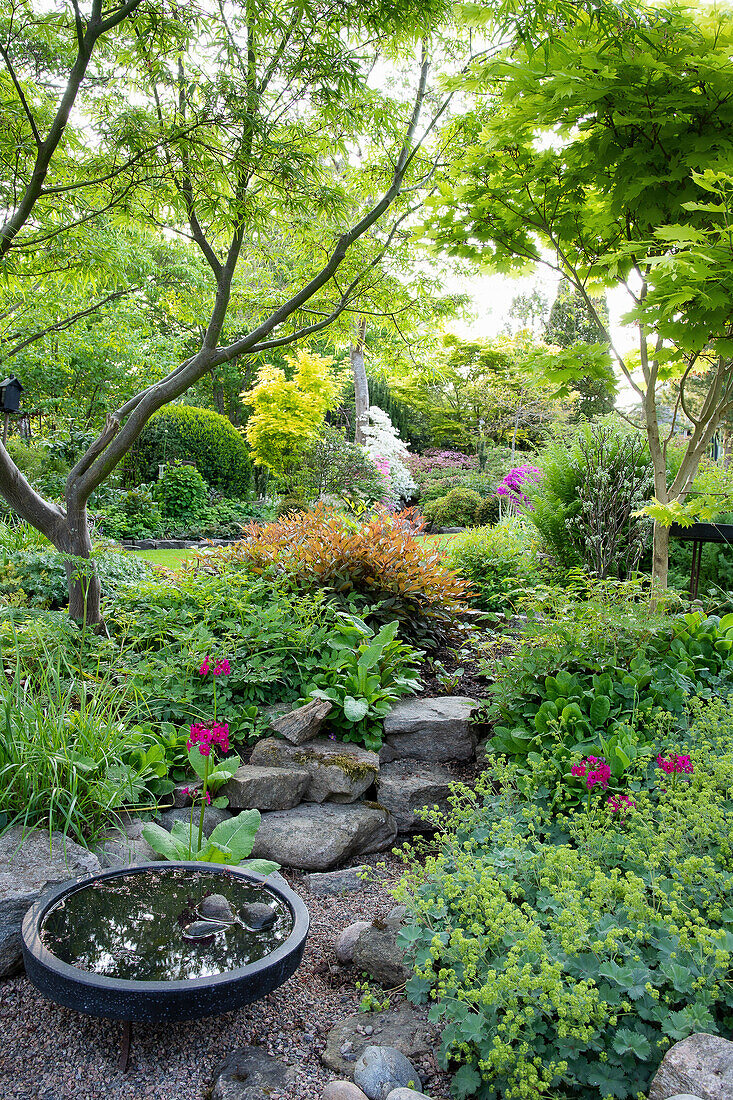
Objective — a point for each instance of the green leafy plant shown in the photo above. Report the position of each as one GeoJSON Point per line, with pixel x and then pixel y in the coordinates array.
{"type": "Point", "coordinates": [456, 509]}
{"type": "Point", "coordinates": [565, 959]}
{"type": "Point", "coordinates": [68, 760]}
{"type": "Point", "coordinates": [182, 495]}
{"type": "Point", "coordinates": [187, 433]}
{"type": "Point", "coordinates": [363, 677]}
{"type": "Point", "coordinates": [230, 842]}
{"type": "Point", "coordinates": [499, 563]}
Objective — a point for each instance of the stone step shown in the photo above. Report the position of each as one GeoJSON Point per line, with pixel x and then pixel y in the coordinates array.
{"type": "Point", "coordinates": [338, 772]}
{"type": "Point", "coordinates": [433, 730]}
{"type": "Point", "coordinates": [406, 786]}
{"type": "Point", "coordinates": [317, 836]}
{"type": "Point", "coordinates": [258, 788]}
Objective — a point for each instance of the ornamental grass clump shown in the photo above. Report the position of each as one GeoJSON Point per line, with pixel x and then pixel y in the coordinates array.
{"type": "Point", "coordinates": [566, 955]}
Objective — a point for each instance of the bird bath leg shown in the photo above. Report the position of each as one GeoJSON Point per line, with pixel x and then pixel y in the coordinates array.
{"type": "Point", "coordinates": [125, 1046]}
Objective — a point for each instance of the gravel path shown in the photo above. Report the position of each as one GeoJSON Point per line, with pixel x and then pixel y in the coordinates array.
{"type": "Point", "coordinates": [51, 1053]}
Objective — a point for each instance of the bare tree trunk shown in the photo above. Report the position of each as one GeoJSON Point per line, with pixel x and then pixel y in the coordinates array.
{"type": "Point", "coordinates": [217, 389]}
{"type": "Point", "coordinates": [660, 560]}
{"type": "Point", "coordinates": [361, 386]}
{"type": "Point", "coordinates": [85, 590]}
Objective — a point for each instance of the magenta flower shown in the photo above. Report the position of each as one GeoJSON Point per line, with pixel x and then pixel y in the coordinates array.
{"type": "Point", "coordinates": [511, 486]}
{"type": "Point", "coordinates": [205, 737]}
{"type": "Point", "coordinates": [620, 804]}
{"type": "Point", "coordinates": [675, 765]}
{"type": "Point", "coordinates": [594, 770]}
{"type": "Point", "coordinates": [205, 667]}
{"type": "Point", "coordinates": [222, 668]}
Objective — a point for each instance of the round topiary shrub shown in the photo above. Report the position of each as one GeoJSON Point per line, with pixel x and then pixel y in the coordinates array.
{"type": "Point", "coordinates": [290, 505]}
{"type": "Point", "coordinates": [185, 433]}
{"type": "Point", "coordinates": [181, 493]}
{"type": "Point", "coordinates": [487, 513]}
{"type": "Point", "coordinates": [456, 509]}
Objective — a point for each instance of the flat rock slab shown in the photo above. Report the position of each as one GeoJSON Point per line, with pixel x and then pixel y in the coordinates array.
{"type": "Point", "coordinates": [334, 884]}
{"type": "Point", "coordinates": [406, 786]}
{"type": "Point", "coordinates": [303, 724]}
{"type": "Point", "coordinates": [258, 788]}
{"type": "Point", "coordinates": [29, 865]}
{"type": "Point", "coordinates": [213, 816]}
{"type": "Point", "coordinates": [406, 1028]}
{"type": "Point", "coordinates": [433, 730]}
{"type": "Point", "coordinates": [125, 845]}
{"type": "Point", "coordinates": [315, 837]}
{"type": "Point", "coordinates": [338, 772]}
{"type": "Point", "coordinates": [250, 1074]}
{"type": "Point", "coordinates": [701, 1065]}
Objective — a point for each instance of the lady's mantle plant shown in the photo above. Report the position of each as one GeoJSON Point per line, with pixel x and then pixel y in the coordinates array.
{"type": "Point", "coordinates": [566, 955]}
{"type": "Point", "coordinates": [231, 841]}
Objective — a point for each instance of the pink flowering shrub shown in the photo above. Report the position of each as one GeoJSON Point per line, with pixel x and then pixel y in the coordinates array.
{"type": "Point", "coordinates": [511, 487]}
{"type": "Point", "coordinates": [434, 461]}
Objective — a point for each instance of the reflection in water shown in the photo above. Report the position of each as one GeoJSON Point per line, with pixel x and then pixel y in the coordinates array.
{"type": "Point", "coordinates": [132, 926]}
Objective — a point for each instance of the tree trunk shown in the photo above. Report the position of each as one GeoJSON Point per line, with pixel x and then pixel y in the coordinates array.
{"type": "Point", "coordinates": [361, 386]}
{"type": "Point", "coordinates": [84, 587]}
{"type": "Point", "coordinates": [217, 390]}
{"type": "Point", "coordinates": [660, 560]}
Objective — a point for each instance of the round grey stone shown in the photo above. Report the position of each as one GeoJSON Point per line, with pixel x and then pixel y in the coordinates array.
{"type": "Point", "coordinates": [346, 941]}
{"type": "Point", "coordinates": [380, 1070]}
{"type": "Point", "coordinates": [342, 1090]}
{"type": "Point", "coordinates": [407, 1094]}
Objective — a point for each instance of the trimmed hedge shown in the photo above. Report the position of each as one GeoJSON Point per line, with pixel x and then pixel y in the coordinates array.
{"type": "Point", "coordinates": [190, 434]}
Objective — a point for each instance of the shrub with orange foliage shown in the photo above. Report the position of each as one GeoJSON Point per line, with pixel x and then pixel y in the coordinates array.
{"type": "Point", "coordinates": [377, 568]}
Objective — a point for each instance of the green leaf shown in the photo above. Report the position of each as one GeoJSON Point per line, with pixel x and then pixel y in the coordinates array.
{"type": "Point", "coordinates": [631, 1042]}
{"type": "Point", "coordinates": [355, 709]}
{"type": "Point", "coordinates": [466, 1082]}
{"type": "Point", "coordinates": [238, 833]}
{"type": "Point", "coordinates": [261, 866]}
{"type": "Point", "coordinates": [600, 709]}
{"type": "Point", "coordinates": [163, 842]}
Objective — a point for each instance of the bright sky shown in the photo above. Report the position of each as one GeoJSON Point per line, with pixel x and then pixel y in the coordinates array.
{"type": "Point", "coordinates": [492, 298]}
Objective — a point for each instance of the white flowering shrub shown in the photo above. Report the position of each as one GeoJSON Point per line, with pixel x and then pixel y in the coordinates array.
{"type": "Point", "coordinates": [388, 451]}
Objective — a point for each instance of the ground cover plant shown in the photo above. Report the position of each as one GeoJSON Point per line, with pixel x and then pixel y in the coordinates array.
{"type": "Point", "coordinates": [565, 956]}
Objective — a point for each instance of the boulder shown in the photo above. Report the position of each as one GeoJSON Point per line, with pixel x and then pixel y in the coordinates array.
{"type": "Point", "coordinates": [303, 724]}
{"type": "Point", "coordinates": [254, 788]}
{"type": "Point", "coordinates": [346, 941]}
{"type": "Point", "coordinates": [181, 793]}
{"type": "Point", "coordinates": [343, 1090]}
{"type": "Point", "coordinates": [335, 883]}
{"type": "Point", "coordinates": [433, 730]}
{"type": "Point", "coordinates": [125, 844]}
{"type": "Point", "coordinates": [250, 1074]}
{"type": "Point", "coordinates": [213, 816]}
{"type": "Point", "coordinates": [376, 950]}
{"type": "Point", "coordinates": [31, 862]}
{"type": "Point", "coordinates": [406, 786]}
{"type": "Point", "coordinates": [380, 1070]}
{"type": "Point", "coordinates": [314, 837]}
{"type": "Point", "coordinates": [701, 1065]}
{"type": "Point", "coordinates": [338, 772]}
{"type": "Point", "coordinates": [405, 1028]}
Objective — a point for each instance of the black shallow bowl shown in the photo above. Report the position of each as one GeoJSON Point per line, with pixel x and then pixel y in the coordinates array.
{"type": "Point", "coordinates": [189, 999]}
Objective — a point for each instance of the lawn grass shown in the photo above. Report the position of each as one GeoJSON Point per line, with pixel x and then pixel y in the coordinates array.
{"type": "Point", "coordinates": [171, 559]}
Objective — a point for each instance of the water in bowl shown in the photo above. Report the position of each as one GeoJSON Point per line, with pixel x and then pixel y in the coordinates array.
{"type": "Point", "coordinates": [148, 926]}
